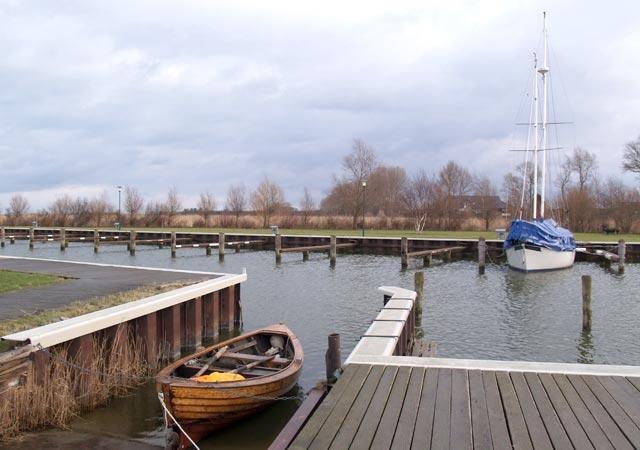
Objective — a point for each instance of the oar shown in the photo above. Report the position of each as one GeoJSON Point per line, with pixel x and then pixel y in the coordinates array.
{"type": "Point", "coordinates": [252, 365]}
{"type": "Point", "coordinates": [211, 360]}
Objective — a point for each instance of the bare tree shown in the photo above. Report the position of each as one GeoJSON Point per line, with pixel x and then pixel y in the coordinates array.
{"type": "Point", "coordinates": [173, 205]}
{"type": "Point", "coordinates": [266, 199]}
{"type": "Point", "coordinates": [236, 200]}
{"type": "Point", "coordinates": [455, 181]}
{"type": "Point", "coordinates": [80, 212]}
{"type": "Point", "coordinates": [584, 164]}
{"type": "Point", "coordinates": [99, 207]}
{"type": "Point", "coordinates": [60, 210]}
{"type": "Point", "coordinates": [358, 167]}
{"type": "Point", "coordinates": [631, 157]}
{"type": "Point", "coordinates": [133, 203]}
{"type": "Point", "coordinates": [307, 206]}
{"type": "Point", "coordinates": [486, 200]}
{"type": "Point", "coordinates": [419, 197]}
{"type": "Point", "coordinates": [18, 207]}
{"type": "Point", "coordinates": [385, 189]}
{"type": "Point", "coordinates": [206, 206]}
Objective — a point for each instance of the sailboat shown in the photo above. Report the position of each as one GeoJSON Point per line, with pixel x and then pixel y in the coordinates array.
{"type": "Point", "coordinates": [540, 243]}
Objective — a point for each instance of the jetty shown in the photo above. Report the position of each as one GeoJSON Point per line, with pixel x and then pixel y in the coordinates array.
{"type": "Point", "coordinates": [387, 399]}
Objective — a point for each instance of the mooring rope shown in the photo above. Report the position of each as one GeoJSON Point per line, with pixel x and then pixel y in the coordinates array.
{"type": "Point", "coordinates": [166, 422]}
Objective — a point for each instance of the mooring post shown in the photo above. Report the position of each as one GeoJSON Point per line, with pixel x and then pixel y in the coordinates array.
{"type": "Point", "coordinates": [622, 250]}
{"type": "Point", "coordinates": [96, 240]}
{"type": "Point", "coordinates": [2, 237]}
{"type": "Point", "coordinates": [278, 247]}
{"type": "Point", "coordinates": [207, 249]}
{"type": "Point", "coordinates": [147, 333]}
{"type": "Point", "coordinates": [333, 360]}
{"type": "Point", "coordinates": [418, 279]}
{"type": "Point", "coordinates": [404, 252]}
{"type": "Point", "coordinates": [31, 237]}
{"type": "Point", "coordinates": [63, 239]}
{"type": "Point", "coordinates": [482, 250]}
{"type": "Point", "coordinates": [238, 248]}
{"type": "Point", "coordinates": [427, 260]}
{"type": "Point", "coordinates": [586, 303]}
{"type": "Point", "coordinates": [132, 242]}
{"type": "Point", "coordinates": [332, 250]}
{"type": "Point", "coordinates": [173, 244]}
{"type": "Point", "coordinates": [305, 256]}
{"type": "Point", "coordinates": [221, 246]}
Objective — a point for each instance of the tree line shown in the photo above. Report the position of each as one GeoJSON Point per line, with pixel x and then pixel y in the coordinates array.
{"type": "Point", "coordinates": [384, 195]}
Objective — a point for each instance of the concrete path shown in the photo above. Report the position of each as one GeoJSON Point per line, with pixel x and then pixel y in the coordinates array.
{"type": "Point", "coordinates": [84, 281]}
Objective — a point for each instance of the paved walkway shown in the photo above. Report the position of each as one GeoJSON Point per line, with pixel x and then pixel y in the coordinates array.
{"type": "Point", "coordinates": [85, 280]}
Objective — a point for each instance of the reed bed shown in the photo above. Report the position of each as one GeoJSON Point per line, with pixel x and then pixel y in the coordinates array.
{"type": "Point", "coordinates": [69, 387]}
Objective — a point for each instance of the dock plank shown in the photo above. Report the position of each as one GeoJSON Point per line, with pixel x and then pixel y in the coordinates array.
{"type": "Point", "coordinates": [389, 421]}
{"type": "Point", "coordinates": [622, 420]}
{"type": "Point", "coordinates": [460, 411]}
{"type": "Point", "coordinates": [571, 424]}
{"type": "Point", "coordinates": [442, 415]}
{"type": "Point", "coordinates": [350, 426]}
{"type": "Point", "coordinates": [619, 394]}
{"type": "Point", "coordinates": [407, 422]}
{"type": "Point", "coordinates": [635, 382]}
{"type": "Point", "coordinates": [329, 428]}
{"type": "Point", "coordinates": [515, 418]}
{"type": "Point", "coordinates": [497, 421]}
{"type": "Point", "coordinates": [310, 430]}
{"type": "Point", "coordinates": [481, 431]}
{"type": "Point", "coordinates": [372, 417]}
{"type": "Point", "coordinates": [423, 431]}
{"type": "Point", "coordinates": [599, 413]}
{"type": "Point", "coordinates": [537, 432]}
{"type": "Point", "coordinates": [555, 430]}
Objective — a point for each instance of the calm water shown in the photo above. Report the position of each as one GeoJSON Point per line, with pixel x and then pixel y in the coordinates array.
{"type": "Point", "coordinates": [499, 315]}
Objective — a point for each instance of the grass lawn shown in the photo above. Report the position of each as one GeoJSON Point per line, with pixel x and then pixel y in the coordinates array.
{"type": "Point", "coordinates": [14, 281]}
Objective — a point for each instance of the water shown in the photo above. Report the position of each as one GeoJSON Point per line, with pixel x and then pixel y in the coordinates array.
{"type": "Point", "coordinates": [499, 315]}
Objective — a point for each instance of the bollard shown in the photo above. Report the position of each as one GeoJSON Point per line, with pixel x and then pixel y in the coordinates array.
{"type": "Point", "coordinates": [404, 252]}
{"type": "Point", "coordinates": [2, 237]}
{"type": "Point", "coordinates": [31, 237]}
{"type": "Point", "coordinates": [278, 247]}
{"type": "Point", "coordinates": [332, 358]}
{"type": "Point", "coordinates": [418, 279]}
{"type": "Point", "coordinates": [221, 246]}
{"type": "Point", "coordinates": [173, 244]}
{"type": "Point", "coordinates": [332, 250]}
{"type": "Point", "coordinates": [622, 250]}
{"type": "Point", "coordinates": [132, 242]}
{"type": "Point", "coordinates": [207, 249]}
{"type": "Point", "coordinates": [63, 239]}
{"type": "Point", "coordinates": [96, 240]}
{"type": "Point", "coordinates": [482, 250]}
{"type": "Point", "coordinates": [305, 256]}
{"type": "Point", "coordinates": [586, 303]}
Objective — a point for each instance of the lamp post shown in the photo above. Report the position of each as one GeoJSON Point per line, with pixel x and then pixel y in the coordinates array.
{"type": "Point", "coordinates": [119, 195]}
{"type": "Point", "coordinates": [364, 202]}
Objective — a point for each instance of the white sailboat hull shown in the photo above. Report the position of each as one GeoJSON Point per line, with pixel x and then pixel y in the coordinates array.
{"type": "Point", "coordinates": [531, 259]}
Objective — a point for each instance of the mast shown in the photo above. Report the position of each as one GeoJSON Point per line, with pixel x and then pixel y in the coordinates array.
{"type": "Point", "coordinates": [535, 138]}
{"type": "Point", "coordinates": [543, 72]}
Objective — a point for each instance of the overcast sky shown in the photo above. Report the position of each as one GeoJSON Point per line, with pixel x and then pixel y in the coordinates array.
{"type": "Point", "coordinates": [202, 94]}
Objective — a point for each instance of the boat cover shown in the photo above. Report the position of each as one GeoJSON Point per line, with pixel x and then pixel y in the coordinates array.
{"type": "Point", "coordinates": [542, 232]}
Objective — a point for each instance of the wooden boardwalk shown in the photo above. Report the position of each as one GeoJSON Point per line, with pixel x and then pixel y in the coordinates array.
{"type": "Point", "coordinates": [404, 406]}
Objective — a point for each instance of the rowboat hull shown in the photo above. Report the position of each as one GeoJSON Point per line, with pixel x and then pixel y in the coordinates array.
{"type": "Point", "coordinates": [202, 408]}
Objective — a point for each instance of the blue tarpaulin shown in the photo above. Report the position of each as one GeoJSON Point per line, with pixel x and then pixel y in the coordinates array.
{"type": "Point", "coordinates": [543, 232]}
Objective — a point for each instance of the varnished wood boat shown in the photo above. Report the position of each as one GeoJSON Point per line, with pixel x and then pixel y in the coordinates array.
{"type": "Point", "coordinates": [203, 407]}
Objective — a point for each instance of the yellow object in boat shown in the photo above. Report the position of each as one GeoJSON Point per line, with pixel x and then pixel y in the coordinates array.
{"type": "Point", "coordinates": [217, 377]}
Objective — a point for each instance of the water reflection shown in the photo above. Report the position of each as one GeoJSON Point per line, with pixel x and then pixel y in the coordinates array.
{"type": "Point", "coordinates": [585, 348]}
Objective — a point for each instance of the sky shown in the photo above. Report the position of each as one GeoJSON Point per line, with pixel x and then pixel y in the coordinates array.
{"type": "Point", "coordinates": [202, 94]}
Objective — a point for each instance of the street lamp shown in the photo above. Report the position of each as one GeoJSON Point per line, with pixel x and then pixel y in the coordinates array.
{"type": "Point", "coordinates": [119, 219]}
{"type": "Point", "coordinates": [364, 202]}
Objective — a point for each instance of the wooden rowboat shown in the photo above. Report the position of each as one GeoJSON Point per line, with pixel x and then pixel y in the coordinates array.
{"type": "Point", "coordinates": [269, 359]}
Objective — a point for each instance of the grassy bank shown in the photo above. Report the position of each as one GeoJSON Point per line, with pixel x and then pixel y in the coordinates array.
{"type": "Point", "coordinates": [14, 281]}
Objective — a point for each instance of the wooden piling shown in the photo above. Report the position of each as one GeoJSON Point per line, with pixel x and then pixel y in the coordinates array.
{"type": "Point", "coordinates": [221, 246]}
{"type": "Point", "coordinates": [1, 237]}
{"type": "Point", "coordinates": [132, 242]}
{"type": "Point", "coordinates": [278, 247]}
{"type": "Point", "coordinates": [427, 260]}
{"type": "Point", "coordinates": [418, 280]}
{"type": "Point", "coordinates": [333, 253]}
{"type": "Point", "coordinates": [96, 240]}
{"type": "Point", "coordinates": [31, 237]}
{"type": "Point", "coordinates": [173, 244]}
{"type": "Point", "coordinates": [586, 303]}
{"type": "Point", "coordinates": [192, 333]}
{"type": "Point", "coordinates": [209, 330]}
{"type": "Point", "coordinates": [63, 239]}
{"type": "Point", "coordinates": [207, 250]}
{"type": "Point", "coordinates": [404, 252]}
{"type": "Point", "coordinates": [147, 333]}
{"type": "Point", "coordinates": [333, 360]}
{"type": "Point", "coordinates": [238, 248]}
{"type": "Point", "coordinates": [482, 250]}
{"type": "Point", "coordinates": [305, 256]}
{"type": "Point", "coordinates": [622, 250]}
{"type": "Point", "coordinates": [171, 331]}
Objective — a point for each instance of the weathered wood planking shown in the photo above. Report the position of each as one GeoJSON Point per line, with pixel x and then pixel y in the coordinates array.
{"type": "Point", "coordinates": [404, 407]}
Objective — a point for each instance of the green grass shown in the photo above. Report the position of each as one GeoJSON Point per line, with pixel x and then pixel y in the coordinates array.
{"type": "Point", "coordinates": [14, 281]}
